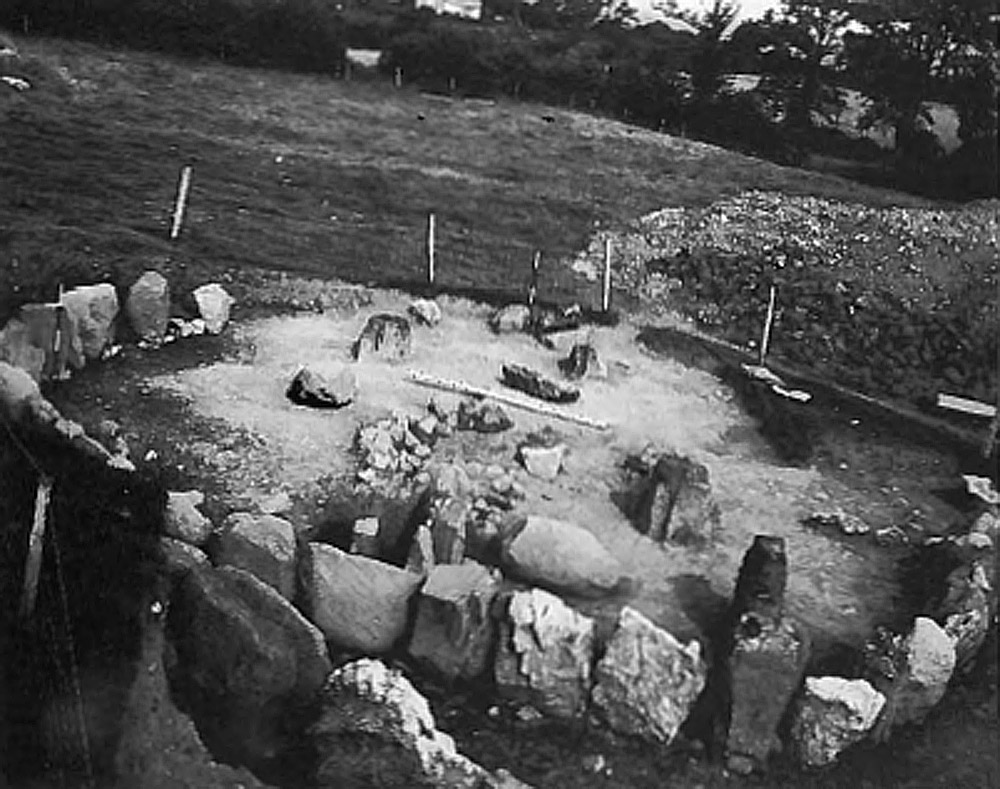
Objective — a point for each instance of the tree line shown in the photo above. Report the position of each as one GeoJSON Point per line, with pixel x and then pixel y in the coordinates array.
{"type": "Point", "coordinates": [902, 55]}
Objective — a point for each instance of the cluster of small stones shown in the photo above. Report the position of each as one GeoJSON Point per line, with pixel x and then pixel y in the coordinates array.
{"type": "Point", "coordinates": [397, 447]}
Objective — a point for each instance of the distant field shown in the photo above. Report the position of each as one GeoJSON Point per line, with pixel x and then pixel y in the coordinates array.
{"type": "Point", "coordinates": [323, 177]}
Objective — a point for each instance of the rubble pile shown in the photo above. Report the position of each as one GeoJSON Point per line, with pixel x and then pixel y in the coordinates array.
{"type": "Point", "coordinates": [832, 264]}
{"type": "Point", "coordinates": [397, 448]}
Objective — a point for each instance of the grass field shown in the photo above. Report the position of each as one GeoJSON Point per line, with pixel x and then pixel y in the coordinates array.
{"type": "Point", "coordinates": [314, 175]}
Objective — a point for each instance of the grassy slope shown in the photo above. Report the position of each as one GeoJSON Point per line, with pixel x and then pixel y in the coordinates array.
{"type": "Point", "coordinates": [89, 175]}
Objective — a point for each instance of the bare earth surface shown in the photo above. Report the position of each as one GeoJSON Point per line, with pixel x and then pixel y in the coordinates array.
{"type": "Point", "coordinates": [214, 412]}
{"type": "Point", "coordinates": [841, 589]}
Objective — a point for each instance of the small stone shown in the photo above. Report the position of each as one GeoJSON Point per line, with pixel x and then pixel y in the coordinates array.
{"type": "Point", "coordinates": [365, 541]}
{"type": "Point", "coordinates": [482, 417]}
{"type": "Point", "coordinates": [542, 462]}
{"type": "Point", "coordinates": [512, 318]}
{"type": "Point", "coordinates": [420, 559]}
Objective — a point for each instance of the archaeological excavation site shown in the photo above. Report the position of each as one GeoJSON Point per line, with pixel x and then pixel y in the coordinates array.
{"type": "Point", "coordinates": [303, 533]}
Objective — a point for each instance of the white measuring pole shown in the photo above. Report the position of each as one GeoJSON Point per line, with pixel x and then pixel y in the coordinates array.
{"type": "Point", "coordinates": [430, 248]}
{"type": "Point", "coordinates": [765, 339]}
{"type": "Point", "coordinates": [179, 205]}
{"type": "Point", "coordinates": [606, 283]}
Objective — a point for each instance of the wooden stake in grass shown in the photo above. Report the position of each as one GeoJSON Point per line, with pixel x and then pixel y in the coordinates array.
{"type": "Point", "coordinates": [765, 339]}
{"type": "Point", "coordinates": [182, 196]}
{"type": "Point", "coordinates": [536, 261]}
{"type": "Point", "coordinates": [33, 564]}
{"type": "Point", "coordinates": [430, 249]}
{"type": "Point", "coordinates": [606, 282]}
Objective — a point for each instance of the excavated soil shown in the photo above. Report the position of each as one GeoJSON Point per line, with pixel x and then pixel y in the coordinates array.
{"type": "Point", "coordinates": [215, 411]}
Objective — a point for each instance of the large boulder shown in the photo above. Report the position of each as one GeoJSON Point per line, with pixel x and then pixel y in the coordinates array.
{"type": "Point", "coordinates": [912, 672]}
{"type": "Point", "coordinates": [183, 520]}
{"type": "Point", "coordinates": [359, 603]}
{"type": "Point", "coordinates": [647, 681]}
{"type": "Point", "coordinates": [454, 633]}
{"type": "Point", "coordinates": [534, 383]}
{"type": "Point", "coordinates": [263, 545]}
{"type": "Point", "coordinates": [545, 654]}
{"type": "Point", "coordinates": [312, 389]}
{"type": "Point", "coordinates": [148, 306]}
{"type": "Point", "coordinates": [562, 556]}
{"type": "Point", "coordinates": [384, 336]}
{"type": "Point", "coordinates": [94, 308]}
{"type": "Point", "coordinates": [249, 664]}
{"type": "Point", "coordinates": [17, 349]}
{"type": "Point", "coordinates": [374, 721]}
{"type": "Point", "coordinates": [214, 304]}
{"type": "Point", "coordinates": [833, 714]}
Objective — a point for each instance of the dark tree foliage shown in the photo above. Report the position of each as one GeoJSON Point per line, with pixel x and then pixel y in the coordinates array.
{"type": "Point", "coordinates": [923, 50]}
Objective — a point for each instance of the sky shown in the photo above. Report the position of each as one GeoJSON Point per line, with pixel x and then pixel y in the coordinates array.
{"type": "Point", "coordinates": [749, 9]}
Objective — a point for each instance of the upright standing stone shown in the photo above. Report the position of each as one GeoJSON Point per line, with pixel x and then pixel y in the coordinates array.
{"type": "Point", "coordinates": [214, 304]}
{"type": "Point", "coordinates": [647, 681]}
{"type": "Point", "coordinates": [767, 655]}
{"type": "Point", "coordinates": [17, 350]}
{"type": "Point", "coordinates": [833, 714]}
{"type": "Point", "coordinates": [148, 306]}
{"type": "Point", "coordinates": [52, 328]}
{"type": "Point", "coordinates": [94, 308]}
{"type": "Point", "coordinates": [912, 672]}
{"type": "Point", "coordinates": [454, 633]}
{"type": "Point", "coordinates": [545, 654]}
